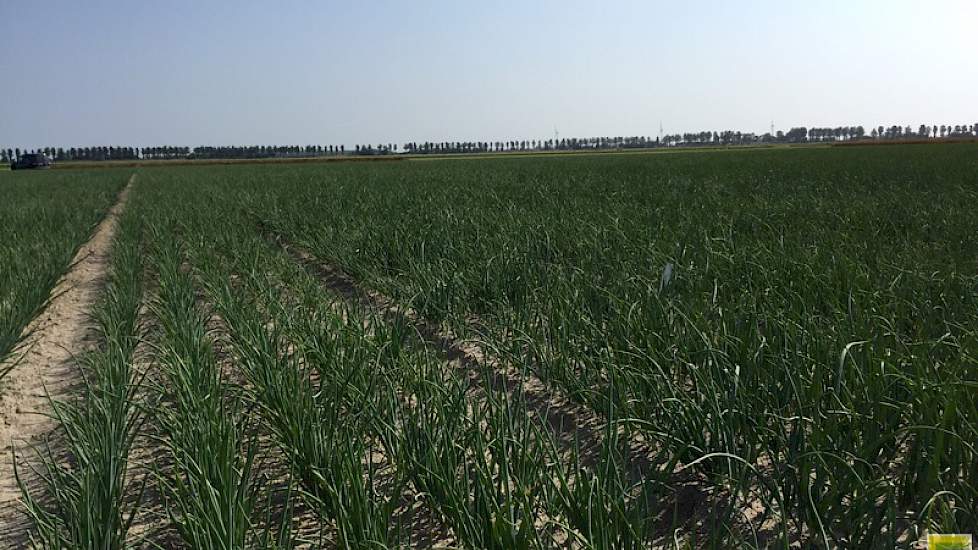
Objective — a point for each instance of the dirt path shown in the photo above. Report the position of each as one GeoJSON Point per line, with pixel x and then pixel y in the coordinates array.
{"type": "Point", "coordinates": [45, 366]}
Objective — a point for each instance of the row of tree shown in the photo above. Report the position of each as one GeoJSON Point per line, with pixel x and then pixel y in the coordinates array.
{"type": "Point", "coordinates": [266, 151]}
{"type": "Point", "coordinates": [706, 138]}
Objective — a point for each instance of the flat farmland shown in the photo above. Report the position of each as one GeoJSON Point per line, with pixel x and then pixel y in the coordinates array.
{"type": "Point", "coordinates": [767, 348]}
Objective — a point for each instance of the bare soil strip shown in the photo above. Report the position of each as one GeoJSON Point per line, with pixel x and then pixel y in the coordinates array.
{"type": "Point", "coordinates": [44, 367]}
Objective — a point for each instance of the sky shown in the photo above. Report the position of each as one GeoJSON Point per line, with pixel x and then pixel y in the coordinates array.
{"type": "Point", "coordinates": [237, 72]}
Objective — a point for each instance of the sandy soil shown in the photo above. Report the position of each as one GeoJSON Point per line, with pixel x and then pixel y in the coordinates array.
{"type": "Point", "coordinates": [45, 367]}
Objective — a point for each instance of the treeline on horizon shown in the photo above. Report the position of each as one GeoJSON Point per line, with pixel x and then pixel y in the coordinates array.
{"type": "Point", "coordinates": [693, 139]}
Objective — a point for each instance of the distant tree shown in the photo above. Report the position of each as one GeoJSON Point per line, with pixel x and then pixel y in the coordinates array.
{"type": "Point", "coordinates": [3, 156]}
{"type": "Point", "coordinates": [794, 135]}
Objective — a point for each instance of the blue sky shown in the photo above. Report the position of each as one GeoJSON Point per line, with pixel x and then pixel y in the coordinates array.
{"type": "Point", "coordinates": [241, 72]}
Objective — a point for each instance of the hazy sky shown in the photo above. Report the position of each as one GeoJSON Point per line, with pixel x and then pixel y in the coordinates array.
{"type": "Point", "coordinates": [275, 72]}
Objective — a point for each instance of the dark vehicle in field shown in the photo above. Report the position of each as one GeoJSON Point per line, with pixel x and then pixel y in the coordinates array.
{"type": "Point", "coordinates": [30, 161]}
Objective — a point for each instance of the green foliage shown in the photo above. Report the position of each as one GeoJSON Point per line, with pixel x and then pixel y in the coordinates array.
{"type": "Point", "coordinates": [791, 333]}
{"type": "Point", "coordinates": [90, 501]}
{"type": "Point", "coordinates": [44, 218]}
{"type": "Point", "coordinates": [818, 325]}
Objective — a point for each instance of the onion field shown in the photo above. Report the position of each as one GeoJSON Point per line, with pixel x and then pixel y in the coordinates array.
{"type": "Point", "coordinates": [756, 349]}
{"type": "Point", "coordinates": [44, 218]}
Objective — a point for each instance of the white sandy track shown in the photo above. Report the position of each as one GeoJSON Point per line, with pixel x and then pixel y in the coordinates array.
{"type": "Point", "coordinates": [44, 366]}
